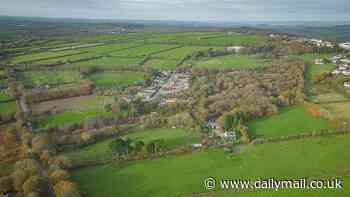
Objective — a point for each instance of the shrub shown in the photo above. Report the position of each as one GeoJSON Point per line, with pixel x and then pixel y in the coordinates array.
{"type": "Point", "coordinates": [6, 184]}
{"type": "Point", "coordinates": [59, 175]}
{"type": "Point", "coordinates": [36, 184]}
{"type": "Point", "coordinates": [66, 189]}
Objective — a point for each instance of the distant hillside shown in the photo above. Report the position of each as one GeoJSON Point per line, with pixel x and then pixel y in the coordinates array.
{"type": "Point", "coordinates": [339, 33]}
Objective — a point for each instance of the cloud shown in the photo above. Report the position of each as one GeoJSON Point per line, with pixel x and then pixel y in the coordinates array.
{"type": "Point", "coordinates": [201, 10]}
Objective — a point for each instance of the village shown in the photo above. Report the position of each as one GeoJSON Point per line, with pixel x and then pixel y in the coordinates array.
{"type": "Point", "coordinates": [177, 94]}
{"type": "Point", "coordinates": [165, 86]}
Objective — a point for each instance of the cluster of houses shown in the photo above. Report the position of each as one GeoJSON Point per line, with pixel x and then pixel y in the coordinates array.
{"type": "Point", "coordinates": [165, 87]}
{"type": "Point", "coordinates": [319, 43]}
{"type": "Point", "coordinates": [343, 67]}
{"type": "Point", "coordinates": [217, 130]}
{"type": "Point", "coordinates": [235, 49]}
{"type": "Point", "coordinates": [313, 41]}
{"type": "Point", "coordinates": [337, 59]}
{"type": "Point", "coordinates": [345, 45]}
{"type": "Point", "coordinates": [347, 84]}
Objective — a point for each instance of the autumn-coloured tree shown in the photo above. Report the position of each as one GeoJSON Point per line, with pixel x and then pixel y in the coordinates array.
{"type": "Point", "coordinates": [6, 184]}
{"type": "Point", "coordinates": [66, 189]}
{"type": "Point", "coordinates": [36, 184]}
{"type": "Point", "coordinates": [59, 175]}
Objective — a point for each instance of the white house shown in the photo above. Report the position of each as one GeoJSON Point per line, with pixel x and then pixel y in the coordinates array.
{"type": "Point", "coordinates": [342, 67]}
{"type": "Point", "coordinates": [345, 45]}
{"type": "Point", "coordinates": [346, 72]}
{"type": "Point", "coordinates": [347, 84]}
{"type": "Point", "coordinates": [335, 58]}
{"type": "Point", "coordinates": [196, 145]}
{"type": "Point", "coordinates": [346, 61]}
{"type": "Point", "coordinates": [336, 72]}
{"type": "Point", "coordinates": [235, 49]}
{"type": "Point", "coordinates": [319, 61]}
{"type": "Point", "coordinates": [230, 135]}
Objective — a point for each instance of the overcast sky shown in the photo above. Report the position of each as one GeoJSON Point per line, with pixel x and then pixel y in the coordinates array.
{"type": "Point", "coordinates": [184, 10]}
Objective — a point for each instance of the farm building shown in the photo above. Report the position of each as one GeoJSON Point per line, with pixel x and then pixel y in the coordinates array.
{"type": "Point", "coordinates": [319, 61]}
{"type": "Point", "coordinates": [345, 61]}
{"type": "Point", "coordinates": [345, 45]}
{"type": "Point", "coordinates": [336, 58]}
{"type": "Point", "coordinates": [347, 84]}
{"type": "Point", "coordinates": [235, 49]}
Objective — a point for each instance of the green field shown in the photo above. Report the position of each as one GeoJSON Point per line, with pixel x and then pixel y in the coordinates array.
{"type": "Point", "coordinates": [173, 138]}
{"type": "Point", "coordinates": [5, 168]}
{"type": "Point", "coordinates": [109, 62]}
{"type": "Point", "coordinates": [291, 120]}
{"type": "Point", "coordinates": [232, 40]}
{"type": "Point", "coordinates": [40, 78]}
{"type": "Point", "coordinates": [211, 39]}
{"type": "Point", "coordinates": [116, 79]}
{"type": "Point", "coordinates": [180, 53]}
{"type": "Point", "coordinates": [293, 159]}
{"type": "Point", "coordinates": [339, 110]}
{"type": "Point", "coordinates": [8, 107]}
{"type": "Point", "coordinates": [294, 193]}
{"type": "Point", "coordinates": [181, 37]}
{"type": "Point", "coordinates": [142, 50]}
{"type": "Point", "coordinates": [43, 55]}
{"type": "Point", "coordinates": [66, 59]}
{"type": "Point", "coordinates": [4, 96]}
{"type": "Point", "coordinates": [108, 48]}
{"type": "Point", "coordinates": [161, 63]}
{"type": "Point", "coordinates": [315, 70]}
{"type": "Point", "coordinates": [230, 62]}
{"type": "Point", "coordinates": [91, 52]}
{"type": "Point", "coordinates": [74, 116]}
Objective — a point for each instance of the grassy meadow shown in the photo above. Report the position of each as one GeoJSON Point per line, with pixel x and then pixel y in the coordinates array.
{"type": "Point", "coordinates": [230, 62]}
{"type": "Point", "coordinates": [173, 138]}
{"type": "Point", "coordinates": [317, 157]}
{"type": "Point", "coordinates": [116, 79]}
{"type": "Point", "coordinates": [74, 116]}
{"type": "Point", "coordinates": [162, 64]}
{"type": "Point", "coordinates": [8, 107]}
{"type": "Point", "coordinates": [289, 121]}
{"type": "Point", "coordinates": [40, 78]}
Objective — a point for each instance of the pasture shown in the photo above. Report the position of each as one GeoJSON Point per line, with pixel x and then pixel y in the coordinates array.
{"type": "Point", "coordinates": [8, 107]}
{"type": "Point", "coordinates": [73, 116]}
{"type": "Point", "coordinates": [292, 192]}
{"type": "Point", "coordinates": [314, 70]}
{"type": "Point", "coordinates": [230, 62]}
{"type": "Point", "coordinates": [73, 110]}
{"type": "Point", "coordinates": [109, 62]}
{"type": "Point", "coordinates": [318, 157]}
{"type": "Point", "coordinates": [42, 55]}
{"type": "Point", "coordinates": [162, 64]}
{"type": "Point", "coordinates": [236, 39]}
{"type": "Point", "coordinates": [4, 96]}
{"type": "Point", "coordinates": [74, 103]}
{"type": "Point", "coordinates": [116, 79]}
{"type": "Point", "coordinates": [143, 50]}
{"type": "Point", "coordinates": [100, 151]}
{"type": "Point", "coordinates": [289, 121]}
{"type": "Point", "coordinates": [340, 110]}
{"type": "Point", "coordinates": [180, 53]}
{"type": "Point", "coordinates": [40, 78]}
